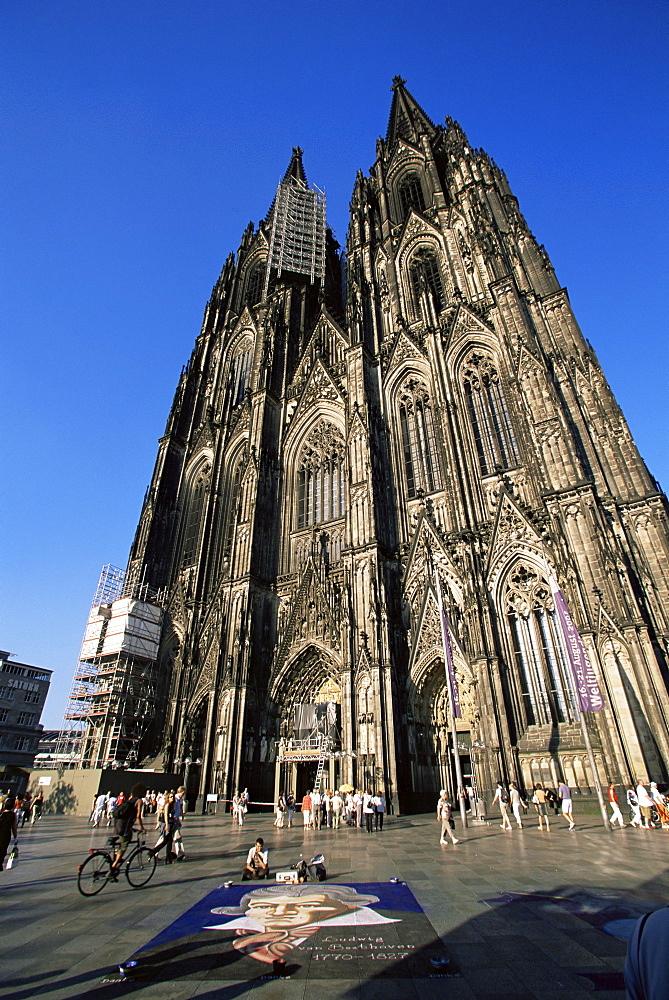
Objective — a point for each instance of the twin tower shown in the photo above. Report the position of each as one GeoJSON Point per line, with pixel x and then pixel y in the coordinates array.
{"type": "Point", "coordinates": [351, 428]}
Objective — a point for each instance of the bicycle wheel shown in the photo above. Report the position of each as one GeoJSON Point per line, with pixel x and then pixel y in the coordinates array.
{"type": "Point", "coordinates": [140, 867]}
{"type": "Point", "coordinates": [94, 874]}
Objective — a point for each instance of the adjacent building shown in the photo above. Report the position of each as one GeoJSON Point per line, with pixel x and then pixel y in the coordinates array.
{"type": "Point", "coordinates": [23, 691]}
{"type": "Point", "coordinates": [360, 439]}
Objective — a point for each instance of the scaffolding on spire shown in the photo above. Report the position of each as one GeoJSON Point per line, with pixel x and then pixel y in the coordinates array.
{"type": "Point", "coordinates": [297, 226]}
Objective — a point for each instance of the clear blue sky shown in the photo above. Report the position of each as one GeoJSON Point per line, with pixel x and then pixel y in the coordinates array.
{"type": "Point", "coordinates": [139, 138]}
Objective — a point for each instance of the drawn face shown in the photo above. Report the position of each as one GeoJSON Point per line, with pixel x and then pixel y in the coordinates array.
{"type": "Point", "coordinates": [282, 913]}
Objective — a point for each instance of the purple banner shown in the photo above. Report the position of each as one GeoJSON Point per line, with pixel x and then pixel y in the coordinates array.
{"type": "Point", "coordinates": [587, 689]}
{"type": "Point", "coordinates": [453, 693]}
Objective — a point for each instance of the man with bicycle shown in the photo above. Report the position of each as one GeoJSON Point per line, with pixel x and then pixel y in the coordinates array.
{"type": "Point", "coordinates": [125, 817]}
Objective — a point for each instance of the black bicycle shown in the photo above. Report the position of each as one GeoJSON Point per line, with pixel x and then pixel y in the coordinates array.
{"type": "Point", "coordinates": [98, 868]}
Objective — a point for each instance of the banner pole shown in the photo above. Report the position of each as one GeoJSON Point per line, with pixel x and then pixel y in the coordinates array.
{"type": "Point", "coordinates": [453, 698]}
{"type": "Point", "coordinates": [595, 773]}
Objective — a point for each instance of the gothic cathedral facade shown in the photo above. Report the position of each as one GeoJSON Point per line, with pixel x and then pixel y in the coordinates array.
{"type": "Point", "coordinates": [351, 427]}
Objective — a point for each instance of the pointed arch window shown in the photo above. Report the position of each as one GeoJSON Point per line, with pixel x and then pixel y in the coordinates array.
{"type": "Point", "coordinates": [194, 511]}
{"type": "Point", "coordinates": [320, 477]}
{"type": "Point", "coordinates": [537, 648]}
{"type": "Point", "coordinates": [493, 434]}
{"type": "Point", "coordinates": [425, 276]}
{"type": "Point", "coordinates": [410, 193]}
{"type": "Point", "coordinates": [240, 372]}
{"type": "Point", "coordinates": [231, 508]}
{"type": "Point", "coordinates": [254, 285]}
{"type": "Point", "coordinates": [419, 443]}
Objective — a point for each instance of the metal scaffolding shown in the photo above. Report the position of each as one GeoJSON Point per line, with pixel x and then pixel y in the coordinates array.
{"type": "Point", "coordinates": [115, 682]}
{"type": "Point", "coordinates": [297, 234]}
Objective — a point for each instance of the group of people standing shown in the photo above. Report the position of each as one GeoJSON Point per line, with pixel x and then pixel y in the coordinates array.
{"type": "Point", "coordinates": [333, 809]}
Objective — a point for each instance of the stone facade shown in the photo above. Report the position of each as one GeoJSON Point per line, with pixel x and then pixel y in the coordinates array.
{"type": "Point", "coordinates": [328, 451]}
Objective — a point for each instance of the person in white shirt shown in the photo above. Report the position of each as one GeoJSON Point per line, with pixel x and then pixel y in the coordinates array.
{"type": "Point", "coordinates": [316, 814]}
{"type": "Point", "coordinates": [337, 803]}
{"type": "Point", "coordinates": [368, 810]}
{"type": "Point", "coordinates": [516, 803]}
{"type": "Point", "coordinates": [645, 804]}
{"type": "Point", "coordinates": [257, 862]}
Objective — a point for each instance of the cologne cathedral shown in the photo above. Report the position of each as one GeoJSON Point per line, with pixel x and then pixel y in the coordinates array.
{"type": "Point", "coordinates": [357, 434]}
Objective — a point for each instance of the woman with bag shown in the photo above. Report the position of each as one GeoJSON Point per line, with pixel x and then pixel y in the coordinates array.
{"type": "Point", "coordinates": [8, 826]}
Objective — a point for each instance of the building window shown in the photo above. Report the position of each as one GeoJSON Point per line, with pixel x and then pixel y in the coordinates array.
{"type": "Point", "coordinates": [320, 477]}
{"type": "Point", "coordinates": [26, 719]}
{"type": "Point", "coordinates": [425, 277]}
{"type": "Point", "coordinates": [419, 446]}
{"type": "Point", "coordinates": [537, 647]}
{"type": "Point", "coordinates": [411, 194]}
{"type": "Point", "coordinates": [231, 509]}
{"type": "Point", "coordinates": [486, 406]}
{"type": "Point", "coordinates": [240, 371]}
{"type": "Point", "coordinates": [4, 712]}
{"type": "Point", "coordinates": [24, 743]}
{"type": "Point", "coordinates": [254, 285]}
{"type": "Point", "coordinates": [7, 693]}
{"type": "Point", "coordinates": [194, 517]}
{"type": "Point", "coordinates": [32, 697]}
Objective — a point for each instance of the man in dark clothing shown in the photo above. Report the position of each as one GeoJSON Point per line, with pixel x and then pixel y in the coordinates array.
{"type": "Point", "coordinates": [646, 966]}
{"type": "Point", "coordinates": [126, 815]}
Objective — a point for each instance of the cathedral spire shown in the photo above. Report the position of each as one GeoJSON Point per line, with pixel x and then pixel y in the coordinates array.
{"type": "Point", "coordinates": [296, 225]}
{"type": "Point", "coordinates": [407, 118]}
{"type": "Point", "coordinates": [295, 171]}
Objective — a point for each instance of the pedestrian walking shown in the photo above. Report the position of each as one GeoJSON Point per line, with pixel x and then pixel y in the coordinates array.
{"type": "Point", "coordinates": [167, 829]}
{"type": "Point", "coordinates": [100, 808]}
{"type": "Point", "coordinates": [37, 808]}
{"type": "Point", "coordinates": [8, 826]}
{"type": "Point", "coordinates": [280, 811]}
{"type": "Point", "coordinates": [660, 803]}
{"type": "Point", "coordinates": [180, 808]}
{"type": "Point", "coordinates": [517, 802]}
{"type": "Point", "coordinates": [357, 799]}
{"type": "Point", "coordinates": [541, 805]}
{"type": "Point", "coordinates": [645, 804]}
{"type": "Point", "coordinates": [553, 801]}
{"type": "Point", "coordinates": [616, 815]}
{"type": "Point", "coordinates": [635, 808]}
{"type": "Point", "coordinates": [502, 796]}
{"type": "Point", "coordinates": [445, 816]}
{"type": "Point", "coordinates": [564, 794]}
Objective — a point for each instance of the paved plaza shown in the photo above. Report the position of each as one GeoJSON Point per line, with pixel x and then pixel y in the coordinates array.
{"type": "Point", "coordinates": [518, 916]}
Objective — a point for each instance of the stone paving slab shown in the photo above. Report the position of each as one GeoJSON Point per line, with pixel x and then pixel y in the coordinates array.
{"type": "Point", "coordinates": [521, 914]}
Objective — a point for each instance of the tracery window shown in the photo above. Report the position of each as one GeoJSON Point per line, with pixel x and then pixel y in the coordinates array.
{"type": "Point", "coordinates": [320, 477]}
{"type": "Point", "coordinates": [254, 286]}
{"type": "Point", "coordinates": [231, 508]}
{"type": "Point", "coordinates": [419, 444]}
{"type": "Point", "coordinates": [240, 371]}
{"type": "Point", "coordinates": [537, 647]}
{"type": "Point", "coordinates": [425, 276]}
{"type": "Point", "coordinates": [410, 194]}
{"type": "Point", "coordinates": [194, 512]}
{"type": "Point", "coordinates": [493, 434]}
